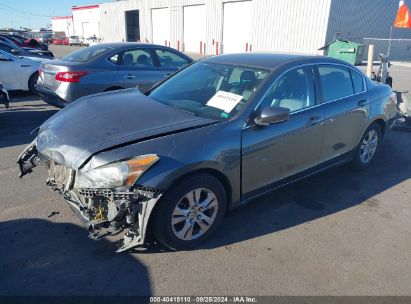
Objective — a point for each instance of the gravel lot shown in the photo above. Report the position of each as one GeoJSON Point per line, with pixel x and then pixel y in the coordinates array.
{"type": "Point", "coordinates": [338, 233]}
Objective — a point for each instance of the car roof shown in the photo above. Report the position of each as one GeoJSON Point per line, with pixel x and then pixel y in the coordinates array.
{"type": "Point", "coordinates": [269, 61]}
{"type": "Point", "coordinates": [122, 46]}
{"type": "Point", "coordinates": [128, 44]}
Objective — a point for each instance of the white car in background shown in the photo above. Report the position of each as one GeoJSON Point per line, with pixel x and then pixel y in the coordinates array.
{"type": "Point", "coordinates": [90, 41]}
{"type": "Point", "coordinates": [75, 40]}
{"type": "Point", "coordinates": [18, 73]}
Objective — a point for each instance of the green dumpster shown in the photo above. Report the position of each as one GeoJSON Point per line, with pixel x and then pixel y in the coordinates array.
{"type": "Point", "coordinates": [348, 51]}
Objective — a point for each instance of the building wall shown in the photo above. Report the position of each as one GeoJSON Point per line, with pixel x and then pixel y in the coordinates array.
{"type": "Point", "coordinates": [290, 26]}
{"type": "Point", "coordinates": [295, 26]}
{"type": "Point", "coordinates": [358, 20]}
{"type": "Point", "coordinates": [63, 24]}
{"type": "Point", "coordinates": [281, 25]}
{"type": "Point", "coordinates": [87, 21]}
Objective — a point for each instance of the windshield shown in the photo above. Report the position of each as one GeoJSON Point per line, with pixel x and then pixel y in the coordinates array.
{"type": "Point", "coordinates": [17, 39]}
{"type": "Point", "coordinates": [7, 54]}
{"type": "Point", "coordinates": [210, 90]}
{"type": "Point", "coordinates": [87, 53]}
{"type": "Point", "coordinates": [9, 41]}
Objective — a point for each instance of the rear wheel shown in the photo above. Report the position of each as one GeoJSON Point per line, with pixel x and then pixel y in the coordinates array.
{"type": "Point", "coordinates": [190, 212]}
{"type": "Point", "coordinates": [368, 147]}
{"type": "Point", "coordinates": [389, 81]}
{"type": "Point", "coordinates": [32, 82]}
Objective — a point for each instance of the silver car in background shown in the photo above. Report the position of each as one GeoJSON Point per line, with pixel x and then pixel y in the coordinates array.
{"type": "Point", "coordinates": [74, 40]}
{"type": "Point", "coordinates": [106, 67]}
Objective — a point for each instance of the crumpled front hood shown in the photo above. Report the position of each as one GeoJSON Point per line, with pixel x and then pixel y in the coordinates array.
{"type": "Point", "coordinates": [102, 121]}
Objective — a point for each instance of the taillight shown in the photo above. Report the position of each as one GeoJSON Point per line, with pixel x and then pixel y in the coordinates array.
{"type": "Point", "coordinates": [70, 76]}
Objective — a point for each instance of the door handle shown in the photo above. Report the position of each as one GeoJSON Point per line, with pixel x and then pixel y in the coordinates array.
{"type": "Point", "coordinates": [313, 120]}
{"type": "Point", "coordinates": [130, 76]}
{"type": "Point", "coordinates": [166, 75]}
{"type": "Point", "coordinates": [362, 102]}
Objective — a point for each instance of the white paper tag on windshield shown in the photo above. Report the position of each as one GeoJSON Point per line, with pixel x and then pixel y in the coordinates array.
{"type": "Point", "coordinates": [224, 101]}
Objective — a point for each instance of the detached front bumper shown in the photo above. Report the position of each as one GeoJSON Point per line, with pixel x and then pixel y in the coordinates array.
{"type": "Point", "coordinates": [103, 211]}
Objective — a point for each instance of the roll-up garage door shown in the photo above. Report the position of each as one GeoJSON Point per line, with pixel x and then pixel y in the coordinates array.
{"type": "Point", "coordinates": [90, 29]}
{"type": "Point", "coordinates": [236, 26]}
{"type": "Point", "coordinates": [194, 28]}
{"type": "Point", "coordinates": [161, 25]}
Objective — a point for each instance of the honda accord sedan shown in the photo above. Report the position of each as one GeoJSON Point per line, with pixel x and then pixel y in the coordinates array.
{"type": "Point", "coordinates": [215, 135]}
{"type": "Point", "coordinates": [106, 67]}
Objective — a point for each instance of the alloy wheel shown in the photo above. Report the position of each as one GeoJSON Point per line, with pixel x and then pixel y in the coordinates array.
{"type": "Point", "coordinates": [194, 214]}
{"type": "Point", "coordinates": [369, 146]}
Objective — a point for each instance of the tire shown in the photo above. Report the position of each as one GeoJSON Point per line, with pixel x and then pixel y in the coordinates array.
{"type": "Point", "coordinates": [175, 205]}
{"type": "Point", "coordinates": [32, 81]}
{"type": "Point", "coordinates": [389, 81]}
{"type": "Point", "coordinates": [368, 147]}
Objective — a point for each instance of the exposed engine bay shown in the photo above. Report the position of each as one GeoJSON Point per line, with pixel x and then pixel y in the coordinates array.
{"type": "Point", "coordinates": [105, 211]}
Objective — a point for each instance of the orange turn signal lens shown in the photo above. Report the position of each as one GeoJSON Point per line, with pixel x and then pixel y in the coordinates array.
{"type": "Point", "coordinates": [138, 166]}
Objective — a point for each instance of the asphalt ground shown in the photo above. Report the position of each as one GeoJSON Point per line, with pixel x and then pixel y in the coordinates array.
{"type": "Point", "coordinates": [338, 233]}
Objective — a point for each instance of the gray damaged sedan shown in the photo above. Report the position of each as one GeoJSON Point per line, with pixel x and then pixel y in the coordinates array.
{"type": "Point", "coordinates": [212, 137]}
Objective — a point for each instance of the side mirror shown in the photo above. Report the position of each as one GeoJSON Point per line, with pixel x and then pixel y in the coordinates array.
{"type": "Point", "coordinates": [272, 115]}
{"type": "Point", "coordinates": [4, 58]}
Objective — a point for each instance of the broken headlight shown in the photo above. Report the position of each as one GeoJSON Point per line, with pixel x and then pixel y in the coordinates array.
{"type": "Point", "coordinates": [115, 175]}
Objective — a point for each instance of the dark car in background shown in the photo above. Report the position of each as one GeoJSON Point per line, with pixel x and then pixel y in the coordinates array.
{"type": "Point", "coordinates": [25, 43]}
{"type": "Point", "coordinates": [17, 51]}
{"type": "Point", "coordinates": [210, 138]}
{"type": "Point", "coordinates": [106, 67]}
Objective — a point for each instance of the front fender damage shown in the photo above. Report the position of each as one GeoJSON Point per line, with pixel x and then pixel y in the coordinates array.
{"type": "Point", "coordinates": [110, 211]}
{"type": "Point", "coordinates": [103, 211]}
{"type": "Point", "coordinates": [28, 159]}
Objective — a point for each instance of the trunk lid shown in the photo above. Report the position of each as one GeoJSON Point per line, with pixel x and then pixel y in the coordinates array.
{"type": "Point", "coordinates": [49, 69]}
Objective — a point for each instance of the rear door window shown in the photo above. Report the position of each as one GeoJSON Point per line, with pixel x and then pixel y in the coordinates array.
{"type": "Point", "coordinates": [357, 81]}
{"type": "Point", "coordinates": [336, 82]}
{"type": "Point", "coordinates": [115, 59]}
{"type": "Point", "coordinates": [137, 58]}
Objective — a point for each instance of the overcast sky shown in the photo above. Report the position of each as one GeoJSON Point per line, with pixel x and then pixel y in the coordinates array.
{"type": "Point", "coordinates": [36, 13]}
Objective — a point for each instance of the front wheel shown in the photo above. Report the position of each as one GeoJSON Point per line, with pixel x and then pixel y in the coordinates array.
{"type": "Point", "coordinates": [369, 145]}
{"type": "Point", "coordinates": [190, 212]}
